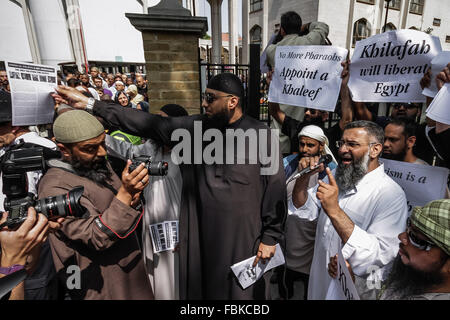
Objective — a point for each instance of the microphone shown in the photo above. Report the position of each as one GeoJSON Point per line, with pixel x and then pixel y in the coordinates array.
{"type": "Point", "coordinates": [325, 159]}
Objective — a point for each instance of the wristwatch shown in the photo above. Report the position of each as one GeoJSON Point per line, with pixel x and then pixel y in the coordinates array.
{"type": "Point", "coordinates": [90, 105]}
{"type": "Point", "coordinates": [11, 269]}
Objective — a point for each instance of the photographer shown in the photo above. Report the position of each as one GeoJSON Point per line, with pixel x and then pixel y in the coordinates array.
{"type": "Point", "coordinates": [101, 246]}
{"type": "Point", "coordinates": [41, 285]}
{"type": "Point", "coordinates": [21, 247]}
{"type": "Point", "coordinates": [162, 203]}
{"type": "Point", "coordinates": [293, 33]}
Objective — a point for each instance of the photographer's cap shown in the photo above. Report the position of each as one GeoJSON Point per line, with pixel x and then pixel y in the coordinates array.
{"type": "Point", "coordinates": [75, 126]}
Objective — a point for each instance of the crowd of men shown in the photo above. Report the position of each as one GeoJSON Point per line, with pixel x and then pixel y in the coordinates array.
{"type": "Point", "coordinates": [175, 235]}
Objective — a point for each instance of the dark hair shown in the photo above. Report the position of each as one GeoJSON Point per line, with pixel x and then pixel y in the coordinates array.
{"type": "Point", "coordinates": [73, 82]}
{"type": "Point", "coordinates": [409, 126]}
{"type": "Point", "coordinates": [372, 129]}
{"type": "Point", "coordinates": [291, 22]}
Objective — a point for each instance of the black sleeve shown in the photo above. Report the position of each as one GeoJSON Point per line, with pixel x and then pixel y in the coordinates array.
{"type": "Point", "coordinates": [274, 208]}
{"type": "Point", "coordinates": [139, 123]}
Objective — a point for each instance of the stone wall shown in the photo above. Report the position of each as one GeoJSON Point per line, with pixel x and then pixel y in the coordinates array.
{"type": "Point", "coordinates": [172, 70]}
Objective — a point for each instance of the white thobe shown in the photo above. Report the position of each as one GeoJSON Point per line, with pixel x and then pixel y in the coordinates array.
{"type": "Point", "coordinates": [163, 198]}
{"type": "Point", "coordinates": [377, 207]}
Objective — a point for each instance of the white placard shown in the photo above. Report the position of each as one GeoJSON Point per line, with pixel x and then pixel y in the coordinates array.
{"type": "Point", "coordinates": [248, 275]}
{"type": "Point", "coordinates": [388, 67]}
{"type": "Point", "coordinates": [342, 288]}
{"type": "Point", "coordinates": [307, 76]}
{"type": "Point", "coordinates": [164, 235]}
{"type": "Point", "coordinates": [421, 183]}
{"type": "Point", "coordinates": [437, 65]}
{"type": "Point", "coordinates": [31, 85]}
{"type": "Point", "coordinates": [439, 108]}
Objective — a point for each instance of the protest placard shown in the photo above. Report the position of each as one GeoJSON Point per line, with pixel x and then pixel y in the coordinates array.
{"type": "Point", "coordinates": [342, 288]}
{"type": "Point", "coordinates": [439, 108]}
{"type": "Point", "coordinates": [31, 85]}
{"type": "Point", "coordinates": [307, 76]}
{"type": "Point", "coordinates": [388, 67]}
{"type": "Point", "coordinates": [437, 65]}
{"type": "Point", "coordinates": [421, 183]}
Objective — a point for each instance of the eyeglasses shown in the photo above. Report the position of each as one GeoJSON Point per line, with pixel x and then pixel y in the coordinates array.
{"type": "Point", "coordinates": [312, 111]}
{"type": "Point", "coordinates": [209, 97]}
{"type": "Point", "coordinates": [351, 144]}
{"type": "Point", "coordinates": [416, 241]}
{"type": "Point", "coordinates": [406, 105]}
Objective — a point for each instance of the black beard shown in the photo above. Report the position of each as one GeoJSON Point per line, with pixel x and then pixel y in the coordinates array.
{"type": "Point", "coordinates": [398, 157]}
{"type": "Point", "coordinates": [405, 281]}
{"type": "Point", "coordinates": [96, 171]}
{"type": "Point", "coordinates": [315, 121]}
{"type": "Point", "coordinates": [347, 176]}
{"type": "Point", "coordinates": [217, 121]}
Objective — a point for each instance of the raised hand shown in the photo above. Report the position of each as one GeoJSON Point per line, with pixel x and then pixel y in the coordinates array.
{"type": "Point", "coordinates": [328, 193]}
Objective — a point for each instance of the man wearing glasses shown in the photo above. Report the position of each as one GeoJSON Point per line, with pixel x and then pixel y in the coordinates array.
{"type": "Point", "coordinates": [421, 271]}
{"type": "Point", "coordinates": [358, 209]}
{"type": "Point", "coordinates": [229, 212]}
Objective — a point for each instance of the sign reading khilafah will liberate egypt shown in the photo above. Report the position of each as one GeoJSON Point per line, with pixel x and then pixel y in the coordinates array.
{"type": "Point", "coordinates": [388, 67]}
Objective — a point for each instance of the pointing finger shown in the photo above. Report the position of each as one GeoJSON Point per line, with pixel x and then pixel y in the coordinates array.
{"type": "Point", "coordinates": [331, 178]}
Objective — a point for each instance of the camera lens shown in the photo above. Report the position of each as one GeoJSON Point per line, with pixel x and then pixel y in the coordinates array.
{"type": "Point", "coordinates": [159, 168]}
{"type": "Point", "coordinates": [62, 205]}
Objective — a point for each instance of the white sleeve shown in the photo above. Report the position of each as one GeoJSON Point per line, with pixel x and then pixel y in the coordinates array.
{"type": "Point", "coordinates": [378, 245]}
{"type": "Point", "coordinates": [310, 210]}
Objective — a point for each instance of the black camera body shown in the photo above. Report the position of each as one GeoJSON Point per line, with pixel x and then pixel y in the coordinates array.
{"type": "Point", "coordinates": [14, 165]}
{"type": "Point", "coordinates": [159, 168]}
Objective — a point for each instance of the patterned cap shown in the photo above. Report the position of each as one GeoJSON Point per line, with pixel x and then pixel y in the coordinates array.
{"type": "Point", "coordinates": [433, 220]}
{"type": "Point", "coordinates": [75, 126]}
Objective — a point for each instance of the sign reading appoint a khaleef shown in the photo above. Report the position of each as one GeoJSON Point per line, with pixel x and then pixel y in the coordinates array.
{"type": "Point", "coordinates": [388, 67]}
{"type": "Point", "coordinates": [307, 76]}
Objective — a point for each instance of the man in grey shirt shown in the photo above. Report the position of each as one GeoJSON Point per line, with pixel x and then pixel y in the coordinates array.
{"type": "Point", "coordinates": [294, 34]}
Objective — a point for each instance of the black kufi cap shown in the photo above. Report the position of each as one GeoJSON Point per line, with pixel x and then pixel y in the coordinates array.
{"type": "Point", "coordinates": [174, 110]}
{"type": "Point", "coordinates": [228, 83]}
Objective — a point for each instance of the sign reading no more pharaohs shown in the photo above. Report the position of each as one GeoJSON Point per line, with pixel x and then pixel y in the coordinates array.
{"type": "Point", "coordinates": [388, 67]}
{"type": "Point", "coordinates": [307, 76]}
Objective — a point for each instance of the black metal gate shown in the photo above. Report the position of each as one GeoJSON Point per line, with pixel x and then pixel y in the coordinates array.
{"type": "Point", "coordinates": [250, 75]}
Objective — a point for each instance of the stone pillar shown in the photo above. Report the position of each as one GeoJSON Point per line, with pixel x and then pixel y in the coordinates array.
{"type": "Point", "coordinates": [265, 28]}
{"type": "Point", "coordinates": [232, 30]}
{"type": "Point", "coordinates": [216, 32]}
{"type": "Point", "coordinates": [31, 32]}
{"type": "Point", "coordinates": [170, 36]}
{"type": "Point", "coordinates": [245, 34]}
{"type": "Point", "coordinates": [51, 31]}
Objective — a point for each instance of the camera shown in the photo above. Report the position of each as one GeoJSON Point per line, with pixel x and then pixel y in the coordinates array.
{"type": "Point", "coordinates": [159, 168]}
{"type": "Point", "coordinates": [14, 165]}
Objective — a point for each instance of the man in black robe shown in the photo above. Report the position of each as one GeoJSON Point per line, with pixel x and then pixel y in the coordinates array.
{"type": "Point", "coordinates": [229, 212]}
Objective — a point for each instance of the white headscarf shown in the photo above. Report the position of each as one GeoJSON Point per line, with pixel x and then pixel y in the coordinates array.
{"type": "Point", "coordinates": [316, 133]}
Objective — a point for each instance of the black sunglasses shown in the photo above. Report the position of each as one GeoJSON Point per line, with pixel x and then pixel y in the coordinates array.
{"type": "Point", "coordinates": [209, 97]}
{"type": "Point", "coordinates": [416, 241]}
{"type": "Point", "coordinates": [312, 111]}
{"type": "Point", "coordinates": [406, 105]}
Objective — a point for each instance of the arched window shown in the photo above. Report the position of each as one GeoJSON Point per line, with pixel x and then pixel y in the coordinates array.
{"type": "Point", "coordinates": [389, 27]}
{"type": "Point", "coordinates": [361, 30]}
{"type": "Point", "coordinates": [255, 34]}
